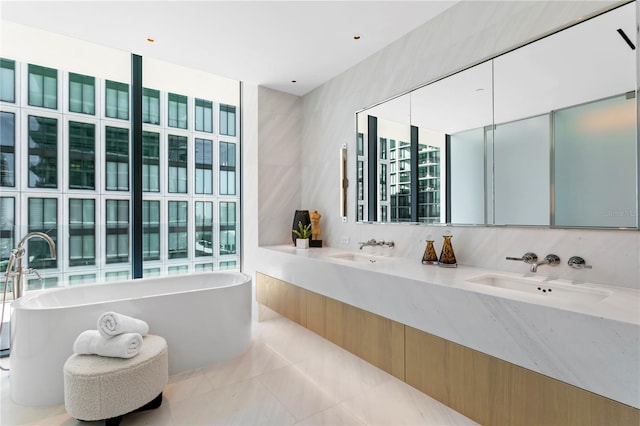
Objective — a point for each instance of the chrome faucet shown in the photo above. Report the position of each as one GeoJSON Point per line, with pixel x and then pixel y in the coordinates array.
{"type": "Point", "coordinates": [550, 259]}
{"type": "Point", "coordinates": [17, 272]}
{"type": "Point", "coordinates": [374, 243]}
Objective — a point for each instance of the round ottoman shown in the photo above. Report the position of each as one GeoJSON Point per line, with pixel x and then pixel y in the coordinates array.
{"type": "Point", "coordinates": [103, 388]}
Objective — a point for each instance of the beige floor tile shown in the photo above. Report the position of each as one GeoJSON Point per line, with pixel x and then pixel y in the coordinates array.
{"type": "Point", "coordinates": [298, 392]}
{"type": "Point", "coordinates": [244, 403]}
{"type": "Point", "coordinates": [257, 360]}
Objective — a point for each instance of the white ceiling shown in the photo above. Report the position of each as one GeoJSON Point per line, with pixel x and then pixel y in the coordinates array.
{"type": "Point", "coordinates": [269, 43]}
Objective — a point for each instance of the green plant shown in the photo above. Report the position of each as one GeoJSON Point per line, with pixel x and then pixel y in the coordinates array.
{"type": "Point", "coordinates": [303, 231]}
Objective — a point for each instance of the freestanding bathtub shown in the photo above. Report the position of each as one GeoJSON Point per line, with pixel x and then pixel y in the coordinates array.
{"type": "Point", "coordinates": [204, 317]}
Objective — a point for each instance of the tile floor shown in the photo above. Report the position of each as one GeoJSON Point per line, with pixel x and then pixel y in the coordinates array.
{"type": "Point", "coordinates": [289, 376]}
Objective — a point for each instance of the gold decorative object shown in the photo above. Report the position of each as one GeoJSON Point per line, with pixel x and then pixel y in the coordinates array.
{"type": "Point", "coordinates": [429, 257]}
{"type": "Point", "coordinates": [315, 224]}
{"type": "Point", "coordinates": [447, 257]}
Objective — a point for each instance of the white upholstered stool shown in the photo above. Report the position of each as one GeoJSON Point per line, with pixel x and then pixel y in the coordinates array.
{"type": "Point", "coordinates": [103, 388]}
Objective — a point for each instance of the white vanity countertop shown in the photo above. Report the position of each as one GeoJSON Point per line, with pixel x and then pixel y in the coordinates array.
{"type": "Point", "coordinates": [592, 344]}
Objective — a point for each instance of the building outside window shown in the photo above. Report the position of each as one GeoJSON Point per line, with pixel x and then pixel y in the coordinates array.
{"type": "Point", "coordinates": [150, 230]}
{"type": "Point", "coordinates": [43, 217]}
{"type": "Point", "coordinates": [227, 228]}
{"type": "Point", "coordinates": [117, 155]}
{"type": "Point", "coordinates": [7, 149]}
{"type": "Point", "coordinates": [7, 228]}
{"type": "Point", "coordinates": [204, 166]}
{"type": "Point", "coordinates": [117, 231]}
{"type": "Point", "coordinates": [178, 234]}
{"type": "Point", "coordinates": [227, 168]}
{"type": "Point", "coordinates": [117, 100]}
{"type": "Point", "coordinates": [204, 228]}
{"type": "Point", "coordinates": [150, 106]}
{"type": "Point", "coordinates": [43, 152]}
{"type": "Point", "coordinates": [150, 162]}
{"type": "Point", "coordinates": [7, 80]}
{"type": "Point", "coordinates": [178, 164]}
{"type": "Point", "coordinates": [82, 94]}
{"type": "Point", "coordinates": [82, 232]}
{"type": "Point", "coordinates": [178, 111]}
{"type": "Point", "coordinates": [43, 87]}
{"type": "Point", "coordinates": [82, 157]}
{"type": "Point", "coordinates": [204, 116]}
{"type": "Point", "coordinates": [227, 120]}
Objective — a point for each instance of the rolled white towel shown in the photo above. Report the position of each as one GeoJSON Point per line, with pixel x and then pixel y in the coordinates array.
{"type": "Point", "coordinates": [112, 323]}
{"type": "Point", "coordinates": [91, 342]}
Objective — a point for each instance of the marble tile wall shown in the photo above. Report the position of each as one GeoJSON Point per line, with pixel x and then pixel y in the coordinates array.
{"type": "Point", "coordinates": [466, 34]}
{"type": "Point", "coordinates": [278, 172]}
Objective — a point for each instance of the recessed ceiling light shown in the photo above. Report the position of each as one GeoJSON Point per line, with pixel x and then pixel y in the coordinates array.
{"type": "Point", "coordinates": [356, 37]}
{"type": "Point", "coordinates": [151, 39]}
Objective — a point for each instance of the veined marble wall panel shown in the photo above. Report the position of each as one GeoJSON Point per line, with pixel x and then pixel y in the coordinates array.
{"type": "Point", "coordinates": [250, 204]}
{"type": "Point", "coordinates": [466, 34]}
{"type": "Point", "coordinates": [278, 168]}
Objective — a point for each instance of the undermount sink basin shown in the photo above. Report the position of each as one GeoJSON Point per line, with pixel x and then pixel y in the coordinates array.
{"type": "Point", "coordinates": [537, 287]}
{"type": "Point", "coordinates": [357, 258]}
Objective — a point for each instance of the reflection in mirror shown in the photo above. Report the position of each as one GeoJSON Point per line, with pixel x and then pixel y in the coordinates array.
{"type": "Point", "coordinates": [541, 95]}
{"type": "Point", "coordinates": [384, 156]}
{"type": "Point", "coordinates": [543, 135]}
{"type": "Point", "coordinates": [455, 111]}
{"type": "Point", "coordinates": [595, 153]}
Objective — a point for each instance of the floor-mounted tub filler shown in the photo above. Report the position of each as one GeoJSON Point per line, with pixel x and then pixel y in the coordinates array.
{"type": "Point", "coordinates": [205, 318]}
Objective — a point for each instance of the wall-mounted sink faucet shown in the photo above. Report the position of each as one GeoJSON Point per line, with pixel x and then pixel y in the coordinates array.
{"type": "Point", "coordinates": [576, 262]}
{"type": "Point", "coordinates": [550, 259]}
{"type": "Point", "coordinates": [528, 257]}
{"type": "Point", "coordinates": [372, 243]}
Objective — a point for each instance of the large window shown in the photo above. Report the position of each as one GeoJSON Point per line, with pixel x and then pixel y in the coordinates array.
{"type": "Point", "coordinates": [66, 167]}
{"type": "Point", "coordinates": [43, 152]}
{"type": "Point", "coordinates": [204, 116]}
{"type": "Point", "coordinates": [117, 231]}
{"type": "Point", "coordinates": [150, 106]}
{"type": "Point", "coordinates": [177, 164]}
{"type": "Point", "coordinates": [177, 111]}
{"type": "Point", "coordinates": [150, 162]}
{"type": "Point", "coordinates": [117, 156]}
{"type": "Point", "coordinates": [227, 120]}
{"type": "Point", "coordinates": [7, 80]}
{"type": "Point", "coordinates": [82, 94]}
{"type": "Point", "coordinates": [227, 168]}
{"type": "Point", "coordinates": [82, 232]}
{"type": "Point", "coordinates": [178, 226]}
{"type": "Point", "coordinates": [43, 217]}
{"type": "Point", "coordinates": [204, 166]}
{"type": "Point", "coordinates": [43, 87]}
{"type": "Point", "coordinates": [7, 149]}
{"type": "Point", "coordinates": [117, 100]}
{"type": "Point", "coordinates": [82, 157]}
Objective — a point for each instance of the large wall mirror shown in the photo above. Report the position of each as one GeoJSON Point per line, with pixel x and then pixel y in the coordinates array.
{"type": "Point", "coordinates": [544, 135]}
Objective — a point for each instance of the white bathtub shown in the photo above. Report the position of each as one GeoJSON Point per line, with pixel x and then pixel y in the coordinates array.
{"type": "Point", "coordinates": [205, 318]}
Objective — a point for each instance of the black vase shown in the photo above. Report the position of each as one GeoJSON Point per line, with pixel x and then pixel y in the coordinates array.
{"type": "Point", "coordinates": [299, 216]}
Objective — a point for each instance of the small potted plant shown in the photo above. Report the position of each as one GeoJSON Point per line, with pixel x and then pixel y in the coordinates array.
{"type": "Point", "coordinates": [303, 233]}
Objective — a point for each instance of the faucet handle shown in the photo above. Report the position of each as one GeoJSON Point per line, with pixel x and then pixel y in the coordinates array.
{"type": "Point", "coordinates": [33, 271]}
{"type": "Point", "coordinates": [576, 262]}
{"type": "Point", "coordinates": [528, 257]}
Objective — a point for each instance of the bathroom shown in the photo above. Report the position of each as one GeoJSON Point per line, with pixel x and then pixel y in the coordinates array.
{"type": "Point", "coordinates": [311, 129]}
